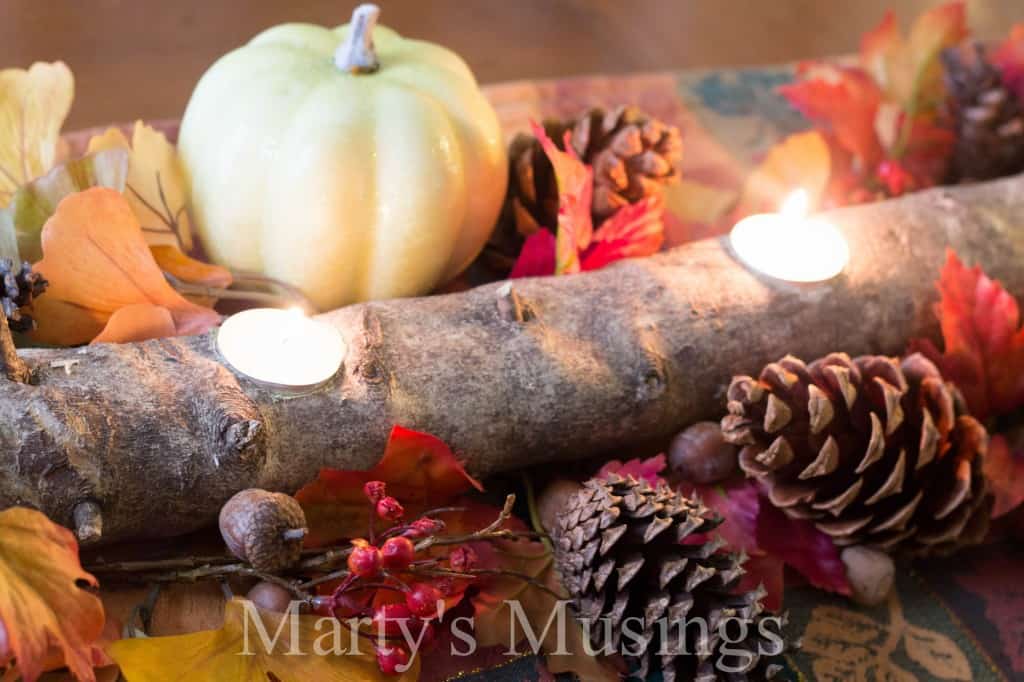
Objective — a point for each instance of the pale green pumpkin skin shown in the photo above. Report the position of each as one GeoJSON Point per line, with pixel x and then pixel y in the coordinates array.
{"type": "Point", "coordinates": [351, 187]}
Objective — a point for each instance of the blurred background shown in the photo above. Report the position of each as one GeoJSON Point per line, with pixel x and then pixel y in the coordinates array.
{"type": "Point", "coordinates": [141, 58]}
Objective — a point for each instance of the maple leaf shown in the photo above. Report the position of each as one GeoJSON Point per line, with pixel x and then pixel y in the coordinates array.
{"type": "Point", "coordinates": [983, 340]}
{"type": "Point", "coordinates": [419, 469]}
{"type": "Point", "coordinates": [1004, 469]}
{"type": "Point", "coordinates": [575, 182]}
{"type": "Point", "coordinates": [537, 257]}
{"type": "Point", "coordinates": [800, 161]}
{"type": "Point", "coordinates": [908, 69]}
{"type": "Point", "coordinates": [33, 106]}
{"type": "Point", "coordinates": [845, 102]}
{"type": "Point", "coordinates": [634, 231]}
{"type": "Point", "coordinates": [1009, 57]}
{"type": "Point", "coordinates": [45, 600]}
{"type": "Point", "coordinates": [641, 469]}
{"type": "Point", "coordinates": [800, 545]}
{"type": "Point", "coordinates": [217, 655]}
{"type": "Point", "coordinates": [97, 262]}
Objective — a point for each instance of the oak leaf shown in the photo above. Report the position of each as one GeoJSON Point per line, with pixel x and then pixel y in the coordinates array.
{"type": "Point", "coordinates": [46, 600]}
{"type": "Point", "coordinates": [419, 469]}
{"type": "Point", "coordinates": [983, 339]}
{"type": "Point", "coordinates": [97, 262]}
{"type": "Point", "coordinates": [236, 652]}
{"type": "Point", "coordinates": [33, 106]}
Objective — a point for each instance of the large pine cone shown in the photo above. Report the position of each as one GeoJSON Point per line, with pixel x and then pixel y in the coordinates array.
{"type": "Point", "coordinates": [874, 451]}
{"type": "Point", "coordinates": [632, 155]}
{"type": "Point", "coordinates": [989, 117]}
{"type": "Point", "coordinates": [20, 287]}
{"type": "Point", "coordinates": [618, 550]}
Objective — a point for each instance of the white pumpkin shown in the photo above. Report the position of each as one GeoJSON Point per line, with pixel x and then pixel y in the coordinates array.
{"type": "Point", "coordinates": [311, 162]}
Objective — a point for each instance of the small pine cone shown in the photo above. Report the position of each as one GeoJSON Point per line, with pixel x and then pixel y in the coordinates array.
{"type": "Point", "coordinates": [626, 550]}
{"type": "Point", "coordinates": [875, 452]}
{"type": "Point", "coordinates": [632, 155]}
{"type": "Point", "coordinates": [989, 117]}
{"type": "Point", "coordinates": [20, 287]}
{"type": "Point", "coordinates": [264, 528]}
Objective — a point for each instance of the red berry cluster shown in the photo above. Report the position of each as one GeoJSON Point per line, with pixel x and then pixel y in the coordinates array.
{"type": "Point", "coordinates": [383, 581]}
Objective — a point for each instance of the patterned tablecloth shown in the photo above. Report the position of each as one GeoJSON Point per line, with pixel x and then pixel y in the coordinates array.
{"type": "Point", "coordinates": [955, 619]}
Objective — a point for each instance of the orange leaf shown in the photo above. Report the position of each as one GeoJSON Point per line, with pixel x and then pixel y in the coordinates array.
{"type": "Point", "coordinates": [984, 342]}
{"type": "Point", "coordinates": [65, 324]}
{"type": "Point", "coordinates": [800, 161]}
{"type": "Point", "coordinates": [95, 257]}
{"type": "Point", "coordinates": [43, 602]}
{"type": "Point", "coordinates": [419, 469]}
{"type": "Point", "coordinates": [137, 322]}
{"type": "Point", "coordinates": [173, 261]}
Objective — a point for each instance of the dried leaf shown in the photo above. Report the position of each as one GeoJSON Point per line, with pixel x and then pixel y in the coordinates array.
{"type": "Point", "coordinates": [172, 261]}
{"type": "Point", "coordinates": [537, 257]}
{"type": "Point", "coordinates": [33, 106]}
{"type": "Point", "coordinates": [157, 190]}
{"type": "Point", "coordinates": [35, 202]}
{"type": "Point", "coordinates": [843, 102]}
{"type": "Point", "coordinates": [1009, 57]}
{"type": "Point", "coordinates": [419, 469]}
{"type": "Point", "coordinates": [983, 339]}
{"type": "Point", "coordinates": [936, 653]}
{"type": "Point", "coordinates": [800, 161]}
{"type": "Point", "coordinates": [575, 189]}
{"type": "Point", "coordinates": [641, 469]}
{"type": "Point", "coordinates": [95, 258]}
{"type": "Point", "coordinates": [633, 231]}
{"type": "Point", "coordinates": [1004, 469]}
{"type": "Point", "coordinates": [45, 600]}
{"type": "Point", "coordinates": [800, 545]}
{"type": "Point", "coordinates": [217, 655]}
{"type": "Point", "coordinates": [908, 69]}
{"type": "Point", "coordinates": [137, 322]}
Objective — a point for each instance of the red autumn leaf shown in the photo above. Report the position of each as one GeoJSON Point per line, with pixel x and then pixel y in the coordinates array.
{"type": "Point", "coordinates": [575, 182]}
{"type": "Point", "coordinates": [419, 469]}
{"type": "Point", "coordinates": [800, 545]}
{"type": "Point", "coordinates": [633, 231]}
{"type": "Point", "coordinates": [983, 339]}
{"type": "Point", "coordinates": [843, 101]}
{"type": "Point", "coordinates": [537, 257]}
{"type": "Point", "coordinates": [641, 469]}
{"type": "Point", "coordinates": [1009, 57]}
{"type": "Point", "coordinates": [1004, 469]}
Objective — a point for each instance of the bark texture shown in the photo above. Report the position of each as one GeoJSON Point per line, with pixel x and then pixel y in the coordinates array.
{"type": "Point", "coordinates": [155, 436]}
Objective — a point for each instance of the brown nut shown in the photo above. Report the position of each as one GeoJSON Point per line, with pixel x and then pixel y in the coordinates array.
{"type": "Point", "coordinates": [553, 499]}
{"type": "Point", "coordinates": [270, 596]}
{"type": "Point", "coordinates": [699, 454]}
{"type": "Point", "coordinates": [870, 573]}
{"type": "Point", "coordinates": [264, 528]}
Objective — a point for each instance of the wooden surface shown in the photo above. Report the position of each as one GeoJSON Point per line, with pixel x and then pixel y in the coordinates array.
{"type": "Point", "coordinates": [141, 58]}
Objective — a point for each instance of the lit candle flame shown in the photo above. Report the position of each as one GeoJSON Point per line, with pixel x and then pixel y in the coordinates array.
{"type": "Point", "coordinates": [790, 246]}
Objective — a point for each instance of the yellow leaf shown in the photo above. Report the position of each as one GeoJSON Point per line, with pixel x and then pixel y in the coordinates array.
{"type": "Point", "coordinates": [800, 161]}
{"type": "Point", "coordinates": [171, 260]}
{"type": "Point", "coordinates": [156, 184]}
{"type": "Point", "coordinates": [94, 257]}
{"type": "Point", "coordinates": [43, 601]}
{"type": "Point", "coordinates": [33, 106]}
{"type": "Point", "coordinates": [221, 655]}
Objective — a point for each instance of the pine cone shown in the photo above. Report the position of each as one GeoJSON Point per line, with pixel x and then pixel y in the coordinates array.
{"type": "Point", "coordinates": [618, 551]}
{"type": "Point", "coordinates": [632, 155]}
{"type": "Point", "coordinates": [989, 117]}
{"type": "Point", "coordinates": [20, 287]}
{"type": "Point", "coordinates": [873, 451]}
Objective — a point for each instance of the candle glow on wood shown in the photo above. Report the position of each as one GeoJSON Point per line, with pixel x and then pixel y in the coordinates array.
{"type": "Point", "coordinates": [790, 246]}
{"type": "Point", "coordinates": [281, 347]}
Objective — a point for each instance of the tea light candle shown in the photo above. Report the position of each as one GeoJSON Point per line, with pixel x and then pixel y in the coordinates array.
{"type": "Point", "coordinates": [281, 347]}
{"type": "Point", "coordinates": [790, 246]}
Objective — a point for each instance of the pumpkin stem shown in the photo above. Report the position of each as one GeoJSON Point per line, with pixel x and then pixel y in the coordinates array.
{"type": "Point", "coordinates": [356, 54]}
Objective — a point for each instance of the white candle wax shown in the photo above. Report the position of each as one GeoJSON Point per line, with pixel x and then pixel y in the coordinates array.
{"type": "Point", "coordinates": [281, 347]}
{"type": "Point", "coordinates": [790, 246]}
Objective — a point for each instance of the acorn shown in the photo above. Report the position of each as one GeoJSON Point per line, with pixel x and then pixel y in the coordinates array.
{"type": "Point", "coordinates": [264, 528]}
{"type": "Point", "coordinates": [552, 500]}
{"type": "Point", "coordinates": [270, 597]}
{"type": "Point", "coordinates": [699, 454]}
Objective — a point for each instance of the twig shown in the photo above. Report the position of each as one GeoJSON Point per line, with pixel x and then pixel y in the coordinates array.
{"type": "Point", "coordinates": [15, 368]}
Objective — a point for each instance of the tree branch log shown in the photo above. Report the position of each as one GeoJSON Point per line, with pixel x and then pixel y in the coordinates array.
{"type": "Point", "coordinates": [156, 436]}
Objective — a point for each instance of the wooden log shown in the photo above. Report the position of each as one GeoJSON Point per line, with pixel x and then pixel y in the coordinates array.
{"type": "Point", "coordinates": [150, 439]}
